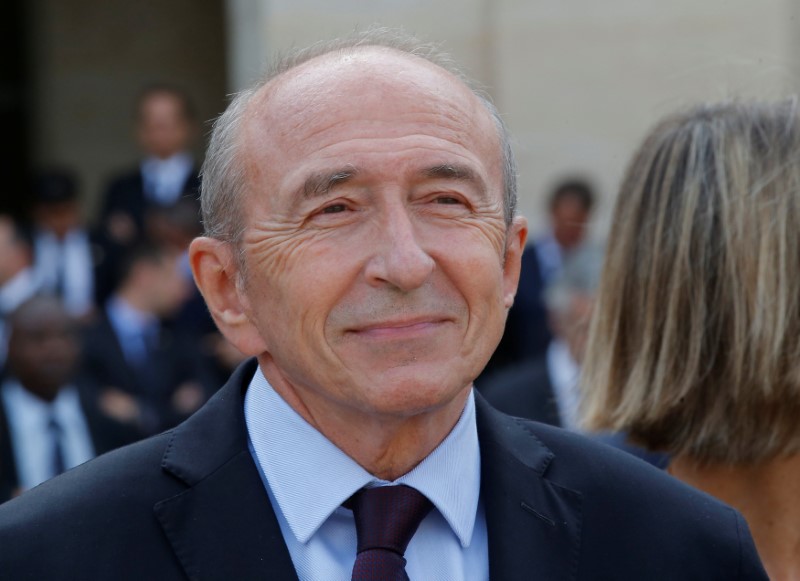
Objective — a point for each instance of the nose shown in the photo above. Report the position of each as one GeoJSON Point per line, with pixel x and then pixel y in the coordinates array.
{"type": "Point", "coordinates": [397, 257]}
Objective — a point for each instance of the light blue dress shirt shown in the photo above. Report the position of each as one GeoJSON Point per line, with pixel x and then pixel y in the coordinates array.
{"type": "Point", "coordinates": [308, 478]}
{"type": "Point", "coordinates": [67, 261]}
{"type": "Point", "coordinates": [164, 178]}
{"type": "Point", "coordinates": [31, 441]}
{"type": "Point", "coordinates": [132, 328]}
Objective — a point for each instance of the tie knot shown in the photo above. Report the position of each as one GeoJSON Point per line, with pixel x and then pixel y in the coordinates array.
{"type": "Point", "coordinates": [387, 516]}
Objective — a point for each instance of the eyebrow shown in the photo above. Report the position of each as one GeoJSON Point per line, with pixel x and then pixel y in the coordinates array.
{"type": "Point", "coordinates": [320, 184]}
{"type": "Point", "coordinates": [450, 171]}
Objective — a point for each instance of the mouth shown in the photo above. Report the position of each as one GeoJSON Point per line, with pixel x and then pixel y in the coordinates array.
{"type": "Point", "coordinates": [400, 328]}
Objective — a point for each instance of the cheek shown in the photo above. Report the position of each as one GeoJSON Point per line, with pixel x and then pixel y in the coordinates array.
{"type": "Point", "coordinates": [472, 259]}
{"type": "Point", "coordinates": [294, 284]}
{"type": "Point", "coordinates": [473, 264]}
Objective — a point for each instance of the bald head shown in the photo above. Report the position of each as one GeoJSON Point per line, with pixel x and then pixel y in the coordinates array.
{"type": "Point", "coordinates": [350, 70]}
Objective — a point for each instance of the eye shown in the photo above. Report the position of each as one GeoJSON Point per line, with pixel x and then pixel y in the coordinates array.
{"type": "Point", "coordinates": [334, 209]}
{"type": "Point", "coordinates": [448, 200]}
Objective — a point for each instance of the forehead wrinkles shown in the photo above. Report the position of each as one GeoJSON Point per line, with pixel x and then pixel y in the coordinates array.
{"type": "Point", "coordinates": [364, 85]}
{"type": "Point", "coordinates": [375, 93]}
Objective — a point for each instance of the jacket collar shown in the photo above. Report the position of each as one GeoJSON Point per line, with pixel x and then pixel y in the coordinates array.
{"type": "Point", "coordinates": [533, 523]}
{"type": "Point", "coordinates": [223, 525]}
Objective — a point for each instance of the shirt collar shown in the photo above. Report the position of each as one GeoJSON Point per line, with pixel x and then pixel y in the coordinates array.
{"type": "Point", "coordinates": [21, 287]}
{"type": "Point", "coordinates": [176, 162]}
{"type": "Point", "coordinates": [564, 374]}
{"type": "Point", "coordinates": [38, 411]}
{"type": "Point", "coordinates": [310, 477]}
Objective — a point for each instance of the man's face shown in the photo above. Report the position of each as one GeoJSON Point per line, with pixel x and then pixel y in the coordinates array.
{"type": "Point", "coordinates": [569, 220]}
{"type": "Point", "coordinates": [59, 217]}
{"type": "Point", "coordinates": [43, 349]}
{"type": "Point", "coordinates": [375, 242]}
{"type": "Point", "coordinates": [166, 284]}
{"type": "Point", "coordinates": [163, 129]}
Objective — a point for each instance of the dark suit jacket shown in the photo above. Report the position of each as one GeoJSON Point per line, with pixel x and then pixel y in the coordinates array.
{"type": "Point", "coordinates": [527, 332]}
{"type": "Point", "coordinates": [126, 195]}
{"type": "Point", "coordinates": [526, 391]}
{"type": "Point", "coordinates": [523, 390]}
{"type": "Point", "coordinates": [190, 504]}
{"type": "Point", "coordinates": [175, 360]}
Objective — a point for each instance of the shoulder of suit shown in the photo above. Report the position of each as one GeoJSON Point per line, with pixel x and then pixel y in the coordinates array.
{"type": "Point", "coordinates": [525, 375]}
{"type": "Point", "coordinates": [124, 483]}
{"type": "Point", "coordinates": [124, 178]}
{"type": "Point", "coordinates": [601, 471]}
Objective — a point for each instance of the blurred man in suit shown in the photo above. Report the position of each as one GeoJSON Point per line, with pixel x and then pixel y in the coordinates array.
{"type": "Point", "coordinates": [147, 374]}
{"type": "Point", "coordinates": [165, 130]}
{"type": "Point", "coordinates": [362, 246]}
{"type": "Point", "coordinates": [545, 389]}
{"type": "Point", "coordinates": [66, 258]}
{"type": "Point", "coordinates": [47, 425]}
{"type": "Point", "coordinates": [528, 328]}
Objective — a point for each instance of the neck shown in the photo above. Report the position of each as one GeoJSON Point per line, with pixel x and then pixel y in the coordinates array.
{"type": "Point", "coordinates": [386, 445]}
{"type": "Point", "coordinates": [766, 494]}
{"type": "Point", "coordinates": [46, 393]}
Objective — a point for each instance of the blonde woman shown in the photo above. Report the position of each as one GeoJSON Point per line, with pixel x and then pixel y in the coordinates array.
{"type": "Point", "coordinates": [695, 345]}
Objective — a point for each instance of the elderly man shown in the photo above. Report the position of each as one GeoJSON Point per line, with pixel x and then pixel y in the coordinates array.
{"type": "Point", "coordinates": [362, 246]}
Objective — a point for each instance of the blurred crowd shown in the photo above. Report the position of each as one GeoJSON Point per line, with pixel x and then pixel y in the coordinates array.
{"type": "Point", "coordinates": [104, 338]}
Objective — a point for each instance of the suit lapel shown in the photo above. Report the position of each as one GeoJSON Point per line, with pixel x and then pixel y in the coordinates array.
{"type": "Point", "coordinates": [533, 523]}
{"type": "Point", "coordinates": [223, 525]}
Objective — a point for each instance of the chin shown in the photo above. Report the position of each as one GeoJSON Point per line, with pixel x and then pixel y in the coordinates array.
{"type": "Point", "coordinates": [413, 394]}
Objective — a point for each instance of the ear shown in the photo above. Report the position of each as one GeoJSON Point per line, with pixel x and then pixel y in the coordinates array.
{"type": "Point", "coordinates": [216, 272]}
{"type": "Point", "coordinates": [515, 244]}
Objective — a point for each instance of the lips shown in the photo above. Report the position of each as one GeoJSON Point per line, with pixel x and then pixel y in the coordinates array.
{"type": "Point", "coordinates": [405, 327]}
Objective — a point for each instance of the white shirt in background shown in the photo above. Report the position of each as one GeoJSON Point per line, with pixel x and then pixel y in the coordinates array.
{"type": "Point", "coordinates": [164, 178]}
{"type": "Point", "coordinates": [70, 260]}
{"type": "Point", "coordinates": [564, 375]}
{"type": "Point", "coordinates": [31, 439]}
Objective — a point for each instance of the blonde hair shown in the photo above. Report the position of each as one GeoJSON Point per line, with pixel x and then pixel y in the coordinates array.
{"type": "Point", "coordinates": [695, 344]}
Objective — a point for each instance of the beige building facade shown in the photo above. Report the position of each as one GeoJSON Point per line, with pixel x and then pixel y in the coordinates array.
{"type": "Point", "coordinates": [578, 81]}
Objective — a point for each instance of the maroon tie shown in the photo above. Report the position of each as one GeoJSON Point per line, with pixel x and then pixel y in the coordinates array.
{"type": "Point", "coordinates": [386, 519]}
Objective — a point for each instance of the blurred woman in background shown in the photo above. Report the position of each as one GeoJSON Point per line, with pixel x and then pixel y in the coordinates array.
{"type": "Point", "coordinates": [695, 345]}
